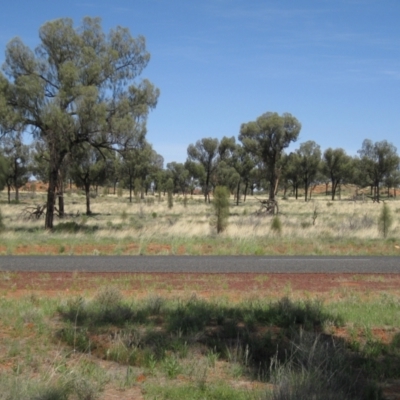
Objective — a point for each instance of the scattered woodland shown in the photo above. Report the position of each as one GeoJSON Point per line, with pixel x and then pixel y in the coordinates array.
{"type": "Point", "coordinates": [79, 99]}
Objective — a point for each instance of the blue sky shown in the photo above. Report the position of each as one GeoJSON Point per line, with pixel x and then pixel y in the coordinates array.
{"type": "Point", "coordinates": [333, 64]}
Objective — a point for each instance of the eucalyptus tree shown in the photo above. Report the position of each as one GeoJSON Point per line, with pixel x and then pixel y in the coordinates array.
{"type": "Point", "coordinates": [290, 174]}
{"type": "Point", "coordinates": [392, 181]}
{"type": "Point", "coordinates": [159, 178]}
{"type": "Point", "coordinates": [180, 176]}
{"type": "Point", "coordinates": [308, 163]}
{"type": "Point", "coordinates": [208, 152]}
{"type": "Point", "coordinates": [226, 175]}
{"type": "Point", "coordinates": [18, 167]}
{"type": "Point", "coordinates": [138, 163]}
{"type": "Point", "coordinates": [78, 86]}
{"type": "Point", "coordinates": [196, 175]}
{"type": "Point", "coordinates": [377, 161]}
{"type": "Point", "coordinates": [157, 164]}
{"type": "Point", "coordinates": [336, 165]}
{"type": "Point", "coordinates": [150, 163]}
{"type": "Point", "coordinates": [113, 167]}
{"type": "Point", "coordinates": [243, 163]}
{"type": "Point", "coordinates": [88, 168]}
{"type": "Point", "coordinates": [266, 138]}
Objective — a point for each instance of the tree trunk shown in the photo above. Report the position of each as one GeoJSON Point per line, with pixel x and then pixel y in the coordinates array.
{"type": "Point", "coordinates": [238, 193]}
{"type": "Point", "coordinates": [276, 186]}
{"type": "Point", "coordinates": [61, 211]}
{"type": "Point", "coordinates": [245, 192]}
{"type": "Point", "coordinates": [87, 193]}
{"type": "Point", "coordinates": [305, 190]}
{"type": "Point", "coordinates": [334, 187]}
{"type": "Point", "coordinates": [272, 189]}
{"type": "Point", "coordinates": [130, 189]}
{"type": "Point", "coordinates": [9, 193]}
{"type": "Point", "coordinates": [60, 195]}
{"type": "Point", "coordinates": [51, 196]}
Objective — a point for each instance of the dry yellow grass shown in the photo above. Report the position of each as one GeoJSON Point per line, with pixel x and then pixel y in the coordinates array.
{"type": "Point", "coordinates": [116, 220]}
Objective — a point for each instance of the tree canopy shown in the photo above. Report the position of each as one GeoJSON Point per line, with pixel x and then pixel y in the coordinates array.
{"type": "Point", "coordinates": [378, 161]}
{"type": "Point", "coordinates": [267, 137]}
{"type": "Point", "coordinates": [78, 86]}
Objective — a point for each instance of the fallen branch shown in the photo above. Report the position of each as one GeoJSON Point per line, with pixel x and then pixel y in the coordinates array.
{"type": "Point", "coordinates": [268, 207]}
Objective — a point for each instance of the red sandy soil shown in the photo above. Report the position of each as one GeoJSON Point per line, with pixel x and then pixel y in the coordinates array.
{"type": "Point", "coordinates": [233, 286]}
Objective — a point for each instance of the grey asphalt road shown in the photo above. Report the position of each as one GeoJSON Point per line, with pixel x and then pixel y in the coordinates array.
{"type": "Point", "coordinates": [202, 264]}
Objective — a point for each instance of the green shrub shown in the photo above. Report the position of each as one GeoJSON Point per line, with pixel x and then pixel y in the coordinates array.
{"type": "Point", "coordinates": [318, 368]}
{"type": "Point", "coordinates": [124, 215]}
{"type": "Point", "coordinates": [108, 296]}
{"type": "Point", "coordinates": [221, 208]}
{"type": "Point", "coordinates": [276, 225]}
{"type": "Point", "coordinates": [385, 220]}
{"type": "Point", "coordinates": [170, 200]}
{"type": "Point", "coordinates": [149, 201]}
{"type": "Point", "coordinates": [70, 227]}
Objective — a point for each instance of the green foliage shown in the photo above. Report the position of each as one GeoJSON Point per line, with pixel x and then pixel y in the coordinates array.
{"type": "Point", "coordinates": [318, 368]}
{"type": "Point", "coordinates": [267, 137]}
{"type": "Point", "coordinates": [77, 72]}
{"type": "Point", "coordinates": [199, 391]}
{"type": "Point", "coordinates": [338, 166]}
{"type": "Point", "coordinates": [377, 161]}
{"type": "Point", "coordinates": [170, 199]}
{"type": "Point", "coordinates": [221, 207]}
{"type": "Point", "coordinates": [308, 163]}
{"type": "Point", "coordinates": [205, 151]}
{"type": "Point", "coordinates": [137, 187]}
{"type": "Point", "coordinates": [299, 362]}
{"type": "Point", "coordinates": [276, 225]}
{"type": "Point", "coordinates": [172, 367]}
{"type": "Point", "coordinates": [385, 220]}
{"type": "Point", "coordinates": [169, 186]}
{"type": "Point", "coordinates": [70, 227]}
{"type": "Point", "coordinates": [124, 215]}
{"type": "Point", "coordinates": [108, 296]}
{"type": "Point", "coordinates": [120, 191]}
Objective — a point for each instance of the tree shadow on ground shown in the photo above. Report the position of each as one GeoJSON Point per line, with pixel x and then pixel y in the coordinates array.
{"type": "Point", "coordinates": [280, 342]}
